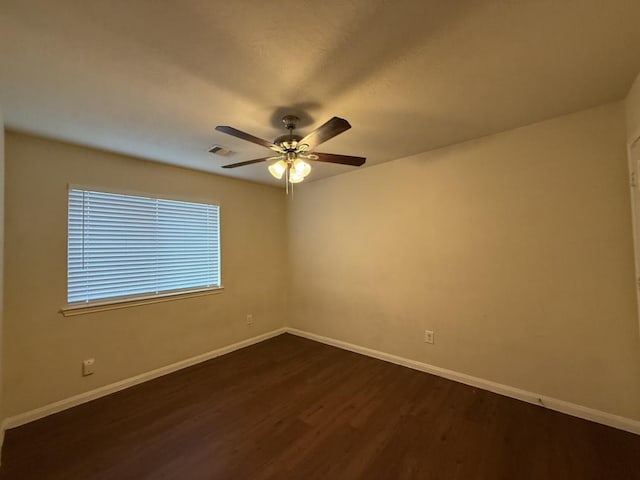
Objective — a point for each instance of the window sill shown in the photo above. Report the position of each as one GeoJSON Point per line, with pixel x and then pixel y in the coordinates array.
{"type": "Point", "coordinates": [72, 310]}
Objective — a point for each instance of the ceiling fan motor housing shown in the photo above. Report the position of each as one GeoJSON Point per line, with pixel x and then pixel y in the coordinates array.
{"type": "Point", "coordinates": [288, 142]}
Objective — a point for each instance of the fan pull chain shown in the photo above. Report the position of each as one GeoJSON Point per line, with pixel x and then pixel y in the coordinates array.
{"type": "Point", "coordinates": [286, 178]}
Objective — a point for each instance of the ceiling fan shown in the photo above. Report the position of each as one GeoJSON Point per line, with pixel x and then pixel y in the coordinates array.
{"type": "Point", "coordinates": [292, 149]}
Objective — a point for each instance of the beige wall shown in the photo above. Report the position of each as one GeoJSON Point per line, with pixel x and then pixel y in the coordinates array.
{"type": "Point", "coordinates": [632, 104]}
{"type": "Point", "coordinates": [516, 249]}
{"type": "Point", "coordinates": [43, 357]}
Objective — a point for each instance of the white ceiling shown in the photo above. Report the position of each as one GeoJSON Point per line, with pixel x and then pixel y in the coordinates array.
{"type": "Point", "coordinates": [153, 78]}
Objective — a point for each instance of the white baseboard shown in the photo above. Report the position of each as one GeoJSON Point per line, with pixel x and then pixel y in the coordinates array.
{"type": "Point", "coordinates": [562, 406]}
{"type": "Point", "coordinates": [30, 416]}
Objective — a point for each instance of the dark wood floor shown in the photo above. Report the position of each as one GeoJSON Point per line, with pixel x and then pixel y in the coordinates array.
{"type": "Point", "coordinates": [290, 408]}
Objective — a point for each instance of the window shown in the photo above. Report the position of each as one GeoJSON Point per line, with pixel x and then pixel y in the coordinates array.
{"type": "Point", "coordinates": [125, 247]}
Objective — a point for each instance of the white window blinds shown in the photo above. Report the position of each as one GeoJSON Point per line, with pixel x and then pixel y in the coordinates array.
{"type": "Point", "coordinates": [126, 246]}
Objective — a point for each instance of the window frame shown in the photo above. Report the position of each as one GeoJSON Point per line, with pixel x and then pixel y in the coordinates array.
{"type": "Point", "coordinates": [79, 308]}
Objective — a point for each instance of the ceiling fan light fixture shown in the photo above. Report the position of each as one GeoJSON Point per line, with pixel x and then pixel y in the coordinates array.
{"type": "Point", "coordinates": [278, 168]}
{"type": "Point", "coordinates": [301, 167]}
{"type": "Point", "coordinates": [295, 177]}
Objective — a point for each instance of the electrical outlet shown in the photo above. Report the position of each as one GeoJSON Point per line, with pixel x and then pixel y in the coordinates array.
{"type": "Point", "coordinates": [428, 336]}
{"type": "Point", "coordinates": [88, 366]}
{"type": "Point", "coordinates": [249, 319]}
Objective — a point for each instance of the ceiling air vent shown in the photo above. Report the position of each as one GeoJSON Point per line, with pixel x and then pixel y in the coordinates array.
{"type": "Point", "coordinates": [220, 150]}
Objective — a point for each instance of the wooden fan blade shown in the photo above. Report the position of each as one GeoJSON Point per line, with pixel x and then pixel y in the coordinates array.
{"type": "Point", "coordinates": [324, 132]}
{"type": "Point", "coordinates": [248, 162]}
{"type": "Point", "coordinates": [341, 159]}
{"type": "Point", "coordinates": [248, 137]}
